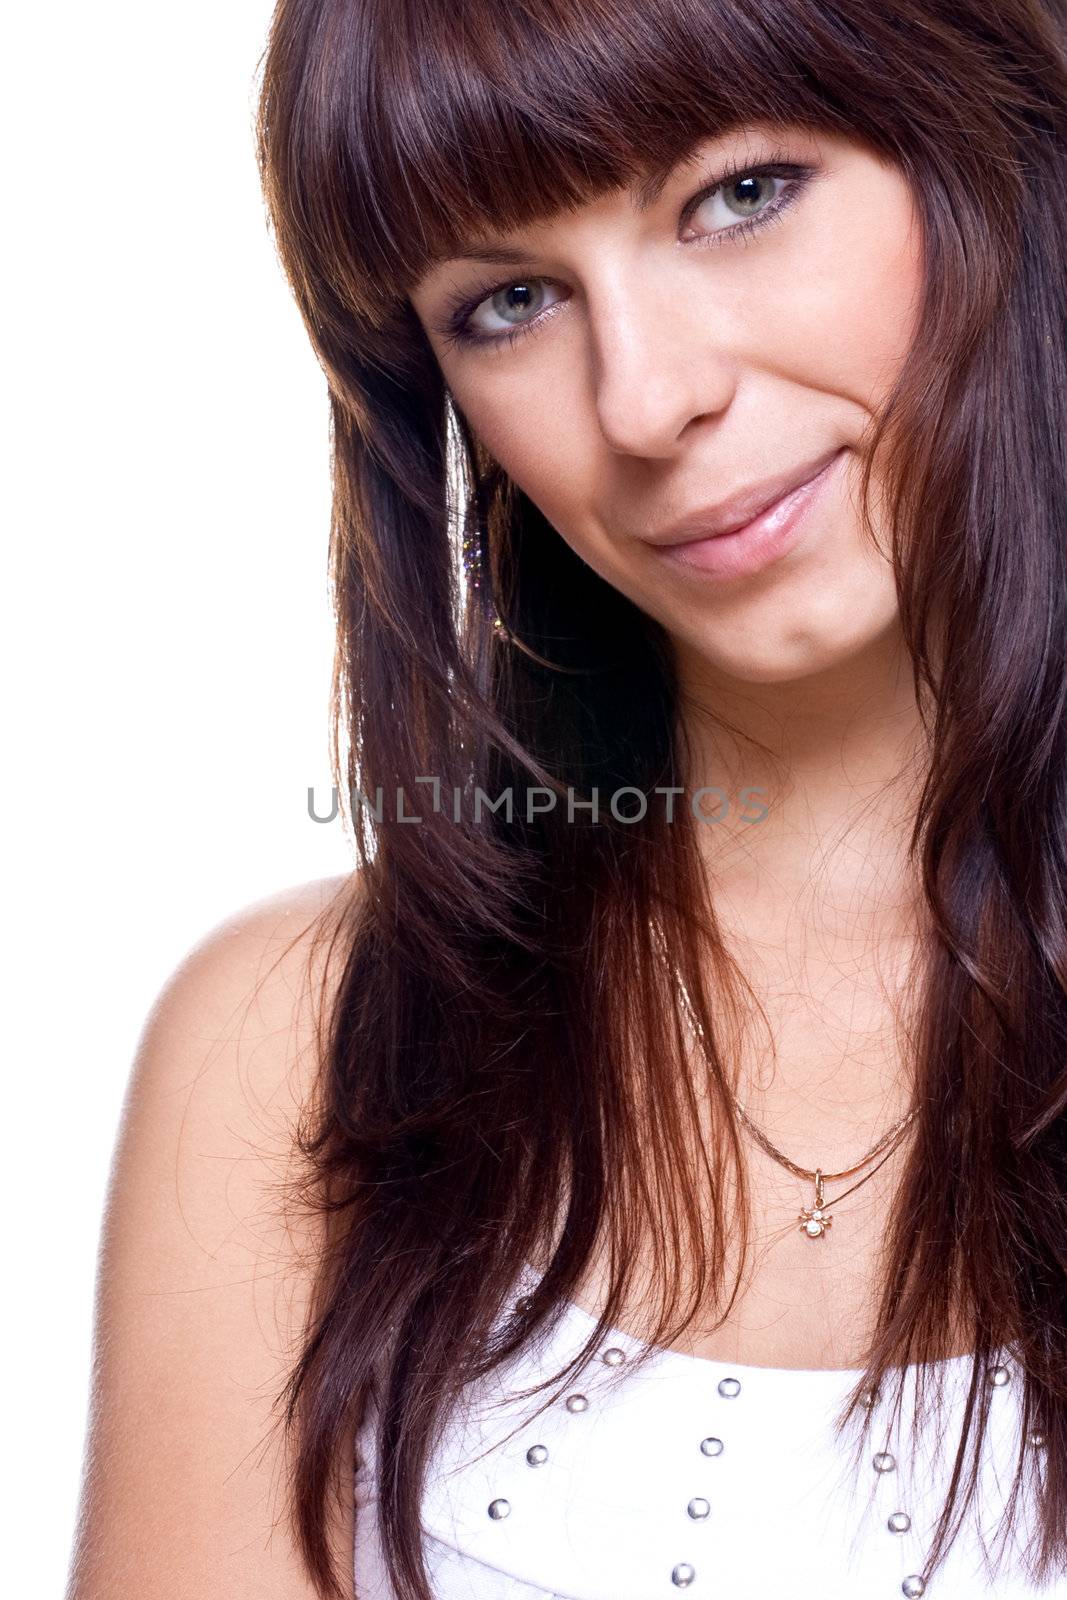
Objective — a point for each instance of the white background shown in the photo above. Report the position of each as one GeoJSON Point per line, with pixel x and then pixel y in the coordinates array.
{"type": "Point", "coordinates": [167, 630]}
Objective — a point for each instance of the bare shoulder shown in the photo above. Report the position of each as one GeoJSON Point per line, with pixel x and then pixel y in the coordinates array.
{"type": "Point", "coordinates": [260, 949]}
{"type": "Point", "coordinates": [259, 981]}
{"type": "Point", "coordinates": [204, 1269]}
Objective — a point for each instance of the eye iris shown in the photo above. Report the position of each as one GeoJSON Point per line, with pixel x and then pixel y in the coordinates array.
{"type": "Point", "coordinates": [745, 194]}
{"type": "Point", "coordinates": [517, 301]}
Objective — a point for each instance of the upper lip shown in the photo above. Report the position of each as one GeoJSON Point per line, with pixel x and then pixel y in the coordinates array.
{"type": "Point", "coordinates": [739, 508]}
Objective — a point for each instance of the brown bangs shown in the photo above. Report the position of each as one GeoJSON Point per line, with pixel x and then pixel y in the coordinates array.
{"type": "Point", "coordinates": [449, 118]}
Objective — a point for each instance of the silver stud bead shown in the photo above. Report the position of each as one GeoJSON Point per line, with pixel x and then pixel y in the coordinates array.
{"type": "Point", "coordinates": [999, 1377]}
{"type": "Point", "coordinates": [711, 1447]}
{"type": "Point", "coordinates": [537, 1455]}
{"type": "Point", "coordinates": [884, 1462]}
{"type": "Point", "coordinates": [522, 1304]}
{"type": "Point", "coordinates": [698, 1508]}
{"type": "Point", "coordinates": [913, 1586]}
{"type": "Point", "coordinates": [899, 1522]}
{"type": "Point", "coordinates": [1036, 1440]}
{"type": "Point", "coordinates": [728, 1387]}
{"type": "Point", "coordinates": [498, 1509]}
{"type": "Point", "coordinates": [613, 1357]}
{"type": "Point", "coordinates": [683, 1575]}
{"type": "Point", "coordinates": [869, 1398]}
{"type": "Point", "coordinates": [576, 1402]}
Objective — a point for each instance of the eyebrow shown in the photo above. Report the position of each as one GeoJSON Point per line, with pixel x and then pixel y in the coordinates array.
{"type": "Point", "coordinates": [646, 193]}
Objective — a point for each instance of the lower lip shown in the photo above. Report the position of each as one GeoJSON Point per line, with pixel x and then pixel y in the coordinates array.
{"type": "Point", "coordinates": [760, 542]}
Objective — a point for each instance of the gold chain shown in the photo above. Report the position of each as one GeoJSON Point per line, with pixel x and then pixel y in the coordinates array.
{"type": "Point", "coordinates": [816, 1219]}
{"type": "Point", "coordinates": [827, 1177]}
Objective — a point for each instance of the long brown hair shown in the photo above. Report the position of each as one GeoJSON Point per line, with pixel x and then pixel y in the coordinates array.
{"type": "Point", "coordinates": [500, 1063]}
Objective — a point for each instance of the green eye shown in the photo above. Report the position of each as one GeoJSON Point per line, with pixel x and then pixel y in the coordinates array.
{"type": "Point", "coordinates": [746, 194]}
{"type": "Point", "coordinates": [510, 309]}
{"type": "Point", "coordinates": [517, 301]}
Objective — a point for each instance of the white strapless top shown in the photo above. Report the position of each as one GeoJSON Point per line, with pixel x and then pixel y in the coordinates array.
{"type": "Point", "coordinates": [689, 1474]}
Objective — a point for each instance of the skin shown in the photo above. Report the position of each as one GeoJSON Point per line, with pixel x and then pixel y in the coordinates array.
{"type": "Point", "coordinates": [667, 363]}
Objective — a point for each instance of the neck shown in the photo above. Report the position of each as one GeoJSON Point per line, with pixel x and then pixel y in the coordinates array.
{"type": "Point", "coordinates": [836, 760]}
{"type": "Point", "coordinates": [818, 903]}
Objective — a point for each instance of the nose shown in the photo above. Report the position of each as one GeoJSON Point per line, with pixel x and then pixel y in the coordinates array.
{"type": "Point", "coordinates": [660, 367]}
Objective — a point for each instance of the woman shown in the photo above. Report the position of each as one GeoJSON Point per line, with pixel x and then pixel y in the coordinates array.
{"type": "Point", "coordinates": [677, 1096]}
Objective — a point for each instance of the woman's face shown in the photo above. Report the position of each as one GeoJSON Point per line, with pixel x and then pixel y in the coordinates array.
{"type": "Point", "coordinates": [657, 368]}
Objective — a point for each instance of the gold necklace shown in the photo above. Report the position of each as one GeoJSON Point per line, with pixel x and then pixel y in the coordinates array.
{"type": "Point", "coordinates": [813, 1222]}
{"type": "Point", "coordinates": [816, 1219]}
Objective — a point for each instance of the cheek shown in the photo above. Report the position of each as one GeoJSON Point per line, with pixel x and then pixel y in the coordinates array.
{"type": "Point", "coordinates": [847, 310]}
{"type": "Point", "coordinates": [532, 422]}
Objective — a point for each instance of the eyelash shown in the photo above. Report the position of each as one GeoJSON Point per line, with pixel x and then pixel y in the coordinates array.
{"type": "Point", "coordinates": [456, 327]}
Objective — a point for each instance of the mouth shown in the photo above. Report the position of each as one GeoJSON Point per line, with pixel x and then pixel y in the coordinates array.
{"type": "Point", "coordinates": [751, 529]}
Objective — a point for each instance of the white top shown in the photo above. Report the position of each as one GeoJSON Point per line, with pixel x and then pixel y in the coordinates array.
{"type": "Point", "coordinates": [718, 1478]}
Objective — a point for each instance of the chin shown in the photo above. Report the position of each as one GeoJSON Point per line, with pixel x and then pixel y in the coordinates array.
{"type": "Point", "coordinates": [791, 647]}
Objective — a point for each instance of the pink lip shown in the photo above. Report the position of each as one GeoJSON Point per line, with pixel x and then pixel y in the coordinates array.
{"type": "Point", "coordinates": [763, 540]}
